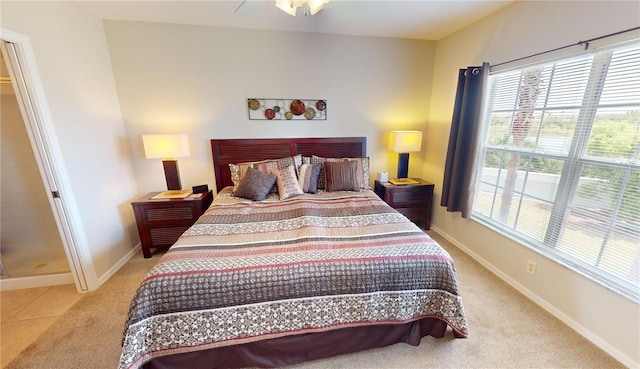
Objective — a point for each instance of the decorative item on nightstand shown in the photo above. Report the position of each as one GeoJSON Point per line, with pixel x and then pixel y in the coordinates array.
{"type": "Point", "coordinates": [404, 142]}
{"type": "Point", "coordinates": [167, 148]}
{"type": "Point", "coordinates": [200, 188]}
{"type": "Point", "coordinates": [383, 177]}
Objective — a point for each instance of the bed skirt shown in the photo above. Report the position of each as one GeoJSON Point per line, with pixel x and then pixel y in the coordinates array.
{"type": "Point", "coordinates": [283, 351]}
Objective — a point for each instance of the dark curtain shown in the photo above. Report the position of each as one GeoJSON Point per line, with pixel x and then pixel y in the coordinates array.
{"type": "Point", "coordinates": [466, 129]}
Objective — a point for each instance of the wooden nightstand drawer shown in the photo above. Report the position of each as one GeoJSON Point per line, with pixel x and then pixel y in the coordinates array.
{"type": "Point", "coordinates": [416, 213]}
{"type": "Point", "coordinates": [153, 213]}
{"type": "Point", "coordinates": [408, 195]}
{"type": "Point", "coordinates": [166, 236]}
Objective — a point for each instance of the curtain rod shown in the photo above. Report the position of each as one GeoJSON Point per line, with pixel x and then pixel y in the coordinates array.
{"type": "Point", "coordinates": [579, 43]}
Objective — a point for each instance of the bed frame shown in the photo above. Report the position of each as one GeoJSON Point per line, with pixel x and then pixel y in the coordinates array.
{"type": "Point", "coordinates": [232, 151]}
{"type": "Point", "coordinates": [294, 349]}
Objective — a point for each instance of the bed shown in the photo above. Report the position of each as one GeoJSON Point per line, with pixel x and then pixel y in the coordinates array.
{"type": "Point", "coordinates": [276, 282]}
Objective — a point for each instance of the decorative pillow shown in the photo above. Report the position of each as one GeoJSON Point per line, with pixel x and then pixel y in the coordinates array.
{"type": "Point", "coordinates": [363, 170]}
{"type": "Point", "coordinates": [342, 176]}
{"type": "Point", "coordinates": [287, 182]}
{"type": "Point", "coordinates": [238, 170]}
{"type": "Point", "coordinates": [255, 185]}
{"type": "Point", "coordinates": [308, 178]}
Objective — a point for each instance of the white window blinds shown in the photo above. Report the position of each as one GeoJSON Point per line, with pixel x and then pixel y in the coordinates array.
{"type": "Point", "coordinates": [561, 162]}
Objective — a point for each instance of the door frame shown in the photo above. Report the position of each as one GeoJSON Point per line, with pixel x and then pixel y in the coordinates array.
{"type": "Point", "coordinates": [40, 129]}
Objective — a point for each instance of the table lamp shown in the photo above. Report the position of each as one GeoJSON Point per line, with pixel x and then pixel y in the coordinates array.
{"type": "Point", "coordinates": [404, 142]}
{"type": "Point", "coordinates": [167, 148]}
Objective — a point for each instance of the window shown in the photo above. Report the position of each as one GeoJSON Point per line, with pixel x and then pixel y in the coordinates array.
{"type": "Point", "coordinates": [561, 162]}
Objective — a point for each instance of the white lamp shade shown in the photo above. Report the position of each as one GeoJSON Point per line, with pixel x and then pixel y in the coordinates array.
{"type": "Point", "coordinates": [405, 141]}
{"type": "Point", "coordinates": [165, 146]}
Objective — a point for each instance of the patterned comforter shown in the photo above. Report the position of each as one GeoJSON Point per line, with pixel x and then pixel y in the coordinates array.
{"type": "Point", "coordinates": [249, 271]}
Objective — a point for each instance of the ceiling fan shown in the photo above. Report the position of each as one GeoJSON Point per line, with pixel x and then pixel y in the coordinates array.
{"type": "Point", "coordinates": [310, 7]}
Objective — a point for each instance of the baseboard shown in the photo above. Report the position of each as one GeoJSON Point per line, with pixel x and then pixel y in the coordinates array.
{"type": "Point", "coordinates": [582, 330]}
{"type": "Point", "coordinates": [19, 283]}
{"type": "Point", "coordinates": [134, 250]}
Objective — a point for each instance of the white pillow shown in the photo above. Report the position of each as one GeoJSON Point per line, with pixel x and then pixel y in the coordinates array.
{"type": "Point", "coordinates": [287, 182]}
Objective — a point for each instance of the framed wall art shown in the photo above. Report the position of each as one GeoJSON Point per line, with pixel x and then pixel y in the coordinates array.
{"type": "Point", "coordinates": [287, 109]}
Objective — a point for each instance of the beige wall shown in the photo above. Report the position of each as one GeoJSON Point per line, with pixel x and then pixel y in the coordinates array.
{"type": "Point", "coordinates": [521, 29]}
{"type": "Point", "coordinates": [191, 79]}
{"type": "Point", "coordinates": [82, 117]}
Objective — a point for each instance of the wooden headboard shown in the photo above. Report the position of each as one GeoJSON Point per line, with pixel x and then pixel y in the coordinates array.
{"type": "Point", "coordinates": [231, 151]}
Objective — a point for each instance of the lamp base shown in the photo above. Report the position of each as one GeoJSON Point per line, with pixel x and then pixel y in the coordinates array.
{"type": "Point", "coordinates": [403, 165]}
{"type": "Point", "coordinates": [171, 174]}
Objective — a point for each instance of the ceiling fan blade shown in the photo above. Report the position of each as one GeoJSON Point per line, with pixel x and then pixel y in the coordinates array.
{"type": "Point", "coordinates": [240, 6]}
{"type": "Point", "coordinates": [248, 7]}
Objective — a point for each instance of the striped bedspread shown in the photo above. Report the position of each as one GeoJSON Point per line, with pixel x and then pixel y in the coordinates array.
{"type": "Point", "coordinates": [249, 271]}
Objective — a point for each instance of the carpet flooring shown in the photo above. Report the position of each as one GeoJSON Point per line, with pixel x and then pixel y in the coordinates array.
{"type": "Point", "coordinates": [506, 331]}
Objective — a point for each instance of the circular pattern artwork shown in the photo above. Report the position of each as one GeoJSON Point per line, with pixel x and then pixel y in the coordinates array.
{"type": "Point", "coordinates": [289, 109]}
{"type": "Point", "coordinates": [309, 113]}
{"type": "Point", "coordinates": [254, 104]}
{"type": "Point", "coordinates": [297, 107]}
{"type": "Point", "coordinates": [269, 113]}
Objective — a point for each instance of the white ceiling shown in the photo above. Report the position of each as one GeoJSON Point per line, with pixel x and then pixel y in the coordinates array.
{"type": "Point", "coordinates": [412, 19]}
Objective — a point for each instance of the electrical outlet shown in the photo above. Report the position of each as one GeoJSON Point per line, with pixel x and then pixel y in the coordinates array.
{"type": "Point", "coordinates": [531, 267]}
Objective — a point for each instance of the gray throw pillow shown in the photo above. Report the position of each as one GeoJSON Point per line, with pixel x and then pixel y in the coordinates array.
{"type": "Point", "coordinates": [308, 178]}
{"type": "Point", "coordinates": [255, 185]}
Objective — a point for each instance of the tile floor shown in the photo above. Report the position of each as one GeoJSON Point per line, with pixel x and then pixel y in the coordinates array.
{"type": "Point", "coordinates": [26, 314]}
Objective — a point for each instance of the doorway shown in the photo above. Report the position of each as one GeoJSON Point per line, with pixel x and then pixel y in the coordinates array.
{"type": "Point", "coordinates": [36, 243]}
{"type": "Point", "coordinates": [30, 244]}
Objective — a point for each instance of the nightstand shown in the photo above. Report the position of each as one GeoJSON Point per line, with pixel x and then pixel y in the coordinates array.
{"type": "Point", "coordinates": [161, 221]}
{"type": "Point", "coordinates": [412, 200]}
